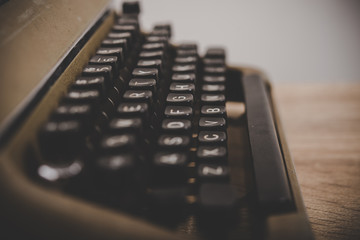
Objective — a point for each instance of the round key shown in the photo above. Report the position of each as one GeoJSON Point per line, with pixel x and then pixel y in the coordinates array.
{"type": "Point", "coordinates": [212, 137]}
{"type": "Point", "coordinates": [180, 99]}
{"type": "Point", "coordinates": [174, 141]}
{"type": "Point", "coordinates": [215, 154]}
{"type": "Point", "coordinates": [176, 125]}
{"type": "Point", "coordinates": [178, 112]}
{"type": "Point", "coordinates": [212, 123]}
{"type": "Point", "coordinates": [208, 110]}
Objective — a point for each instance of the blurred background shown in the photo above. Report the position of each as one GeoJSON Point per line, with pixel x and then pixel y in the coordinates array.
{"type": "Point", "coordinates": [292, 41]}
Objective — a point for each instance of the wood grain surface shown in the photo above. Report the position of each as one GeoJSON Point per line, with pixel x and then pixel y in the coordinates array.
{"type": "Point", "coordinates": [322, 126]}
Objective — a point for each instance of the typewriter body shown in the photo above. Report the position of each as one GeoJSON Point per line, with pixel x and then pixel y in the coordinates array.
{"type": "Point", "coordinates": [232, 179]}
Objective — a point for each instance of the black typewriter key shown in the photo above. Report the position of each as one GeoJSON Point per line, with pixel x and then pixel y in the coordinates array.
{"type": "Point", "coordinates": [153, 46]}
{"type": "Point", "coordinates": [115, 51]}
{"type": "Point", "coordinates": [214, 70]}
{"type": "Point", "coordinates": [178, 112]}
{"type": "Point", "coordinates": [186, 60]}
{"type": "Point", "coordinates": [213, 110]}
{"type": "Point", "coordinates": [73, 111]}
{"type": "Point", "coordinates": [60, 139]}
{"type": "Point", "coordinates": [105, 71]}
{"type": "Point", "coordinates": [83, 96]}
{"type": "Point", "coordinates": [217, 201]}
{"type": "Point", "coordinates": [166, 27]}
{"type": "Point", "coordinates": [151, 55]}
{"type": "Point", "coordinates": [129, 21]}
{"type": "Point", "coordinates": [134, 109]}
{"type": "Point", "coordinates": [214, 154]}
{"type": "Point", "coordinates": [181, 125]}
{"type": "Point", "coordinates": [214, 62]}
{"type": "Point", "coordinates": [180, 68]}
{"type": "Point", "coordinates": [216, 99]}
{"type": "Point", "coordinates": [212, 123]}
{"type": "Point", "coordinates": [180, 99]}
{"type": "Point", "coordinates": [170, 167]}
{"type": "Point", "coordinates": [186, 52]}
{"type": "Point", "coordinates": [215, 53]}
{"type": "Point", "coordinates": [214, 79]}
{"type": "Point", "coordinates": [174, 141]}
{"type": "Point", "coordinates": [90, 83]}
{"type": "Point", "coordinates": [145, 73]}
{"type": "Point", "coordinates": [120, 125]}
{"type": "Point", "coordinates": [131, 7]}
{"type": "Point", "coordinates": [183, 77]}
{"type": "Point", "coordinates": [118, 143]}
{"type": "Point", "coordinates": [116, 42]}
{"type": "Point", "coordinates": [124, 35]}
{"type": "Point", "coordinates": [212, 137]}
{"type": "Point", "coordinates": [155, 63]}
{"type": "Point", "coordinates": [116, 169]}
{"type": "Point", "coordinates": [182, 87]}
{"type": "Point", "coordinates": [106, 60]}
{"type": "Point", "coordinates": [213, 88]}
{"type": "Point", "coordinates": [187, 46]}
{"type": "Point", "coordinates": [160, 32]}
{"type": "Point", "coordinates": [156, 39]}
{"type": "Point", "coordinates": [213, 173]}
{"type": "Point", "coordinates": [143, 83]}
{"type": "Point", "coordinates": [120, 28]}
{"type": "Point", "coordinates": [138, 96]}
{"type": "Point", "coordinates": [61, 173]}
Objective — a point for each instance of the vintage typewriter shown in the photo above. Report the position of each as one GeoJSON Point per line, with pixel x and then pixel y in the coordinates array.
{"type": "Point", "coordinates": [116, 133]}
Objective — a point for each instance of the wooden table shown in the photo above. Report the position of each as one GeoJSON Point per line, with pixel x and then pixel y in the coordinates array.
{"type": "Point", "coordinates": [322, 126]}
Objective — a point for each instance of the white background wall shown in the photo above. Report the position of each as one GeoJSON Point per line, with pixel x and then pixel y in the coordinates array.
{"type": "Point", "coordinates": [302, 40]}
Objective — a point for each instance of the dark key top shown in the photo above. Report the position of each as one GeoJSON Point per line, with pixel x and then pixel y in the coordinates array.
{"type": "Point", "coordinates": [215, 53]}
{"type": "Point", "coordinates": [212, 123]}
{"type": "Point", "coordinates": [213, 110]}
{"type": "Point", "coordinates": [170, 167]}
{"type": "Point", "coordinates": [214, 62]}
{"type": "Point", "coordinates": [182, 125]}
{"type": "Point", "coordinates": [106, 60]}
{"type": "Point", "coordinates": [129, 21]}
{"type": "Point", "coordinates": [213, 88]}
{"type": "Point", "coordinates": [138, 96]}
{"type": "Point", "coordinates": [118, 143]}
{"type": "Point", "coordinates": [131, 7]}
{"type": "Point", "coordinates": [166, 27]}
{"type": "Point", "coordinates": [187, 46]}
{"type": "Point", "coordinates": [213, 173]}
{"type": "Point", "coordinates": [183, 77]}
{"type": "Point", "coordinates": [115, 51]}
{"type": "Point", "coordinates": [90, 83]}
{"type": "Point", "coordinates": [178, 112]}
{"type": "Point", "coordinates": [74, 111]}
{"type": "Point", "coordinates": [133, 109]}
{"type": "Point", "coordinates": [180, 68]}
{"type": "Point", "coordinates": [186, 60]}
{"type": "Point", "coordinates": [151, 55]}
{"type": "Point", "coordinates": [212, 137]}
{"type": "Point", "coordinates": [121, 125]}
{"type": "Point", "coordinates": [153, 46]}
{"type": "Point", "coordinates": [180, 99]}
{"type": "Point", "coordinates": [116, 170]}
{"type": "Point", "coordinates": [61, 173]}
{"type": "Point", "coordinates": [146, 73]}
{"type": "Point", "coordinates": [83, 96]}
{"type": "Point", "coordinates": [216, 99]}
{"type": "Point", "coordinates": [116, 42]}
{"type": "Point", "coordinates": [214, 79]}
{"type": "Point", "coordinates": [124, 35]}
{"type": "Point", "coordinates": [214, 154]}
{"type": "Point", "coordinates": [218, 71]}
{"type": "Point", "coordinates": [61, 139]}
{"type": "Point", "coordinates": [174, 141]}
{"type": "Point", "coordinates": [171, 197]}
{"type": "Point", "coordinates": [182, 87]}
{"type": "Point", "coordinates": [161, 32]}
{"type": "Point", "coordinates": [125, 28]}
{"type": "Point", "coordinates": [219, 200]}
{"type": "Point", "coordinates": [155, 63]}
{"type": "Point", "coordinates": [186, 52]}
{"type": "Point", "coordinates": [143, 83]}
{"type": "Point", "coordinates": [105, 71]}
{"type": "Point", "coordinates": [154, 39]}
